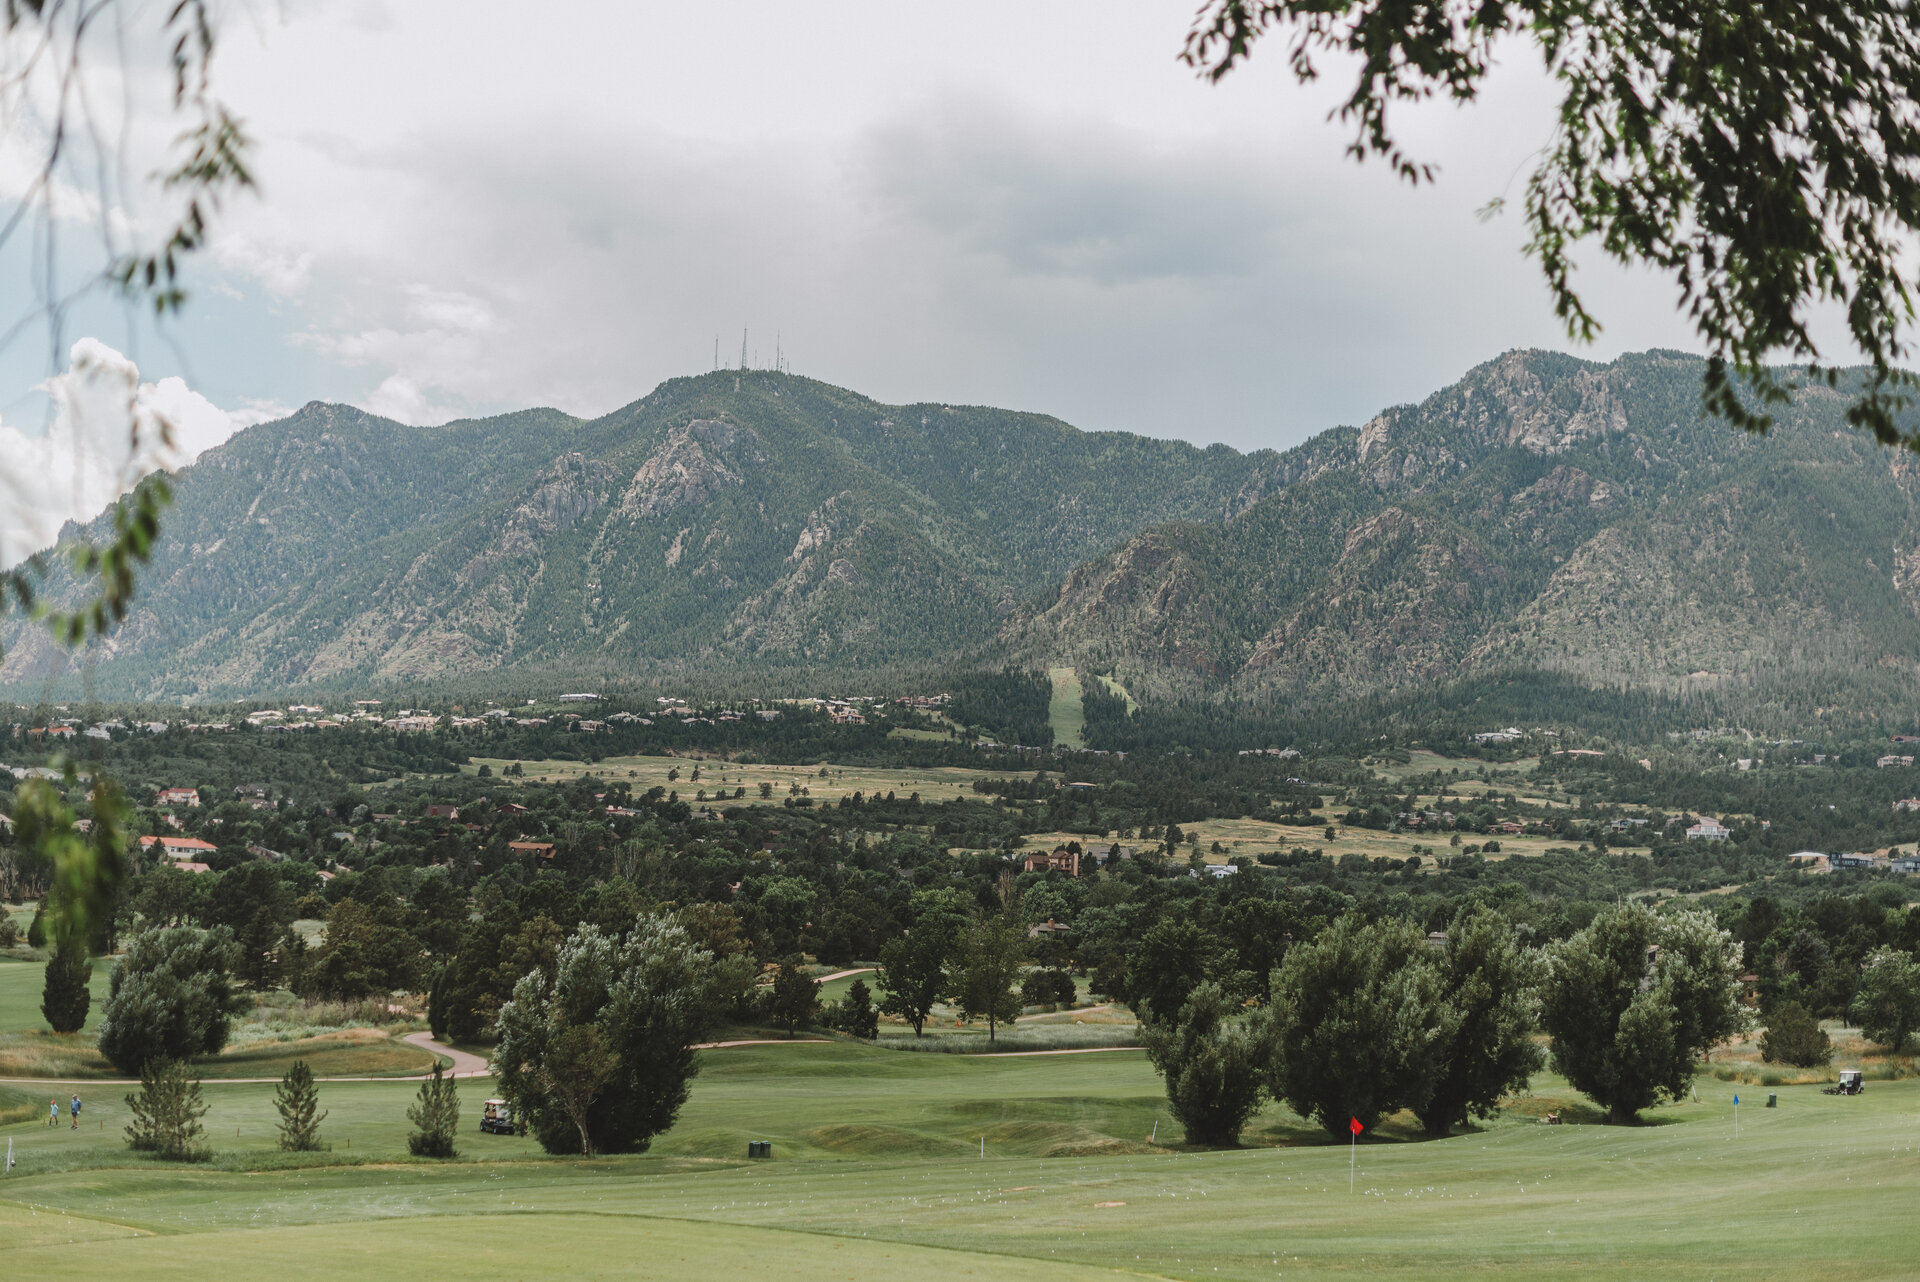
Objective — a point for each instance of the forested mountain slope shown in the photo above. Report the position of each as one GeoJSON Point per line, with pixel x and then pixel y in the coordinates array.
{"type": "Point", "coordinates": [735, 518]}
{"type": "Point", "coordinates": [1544, 514]}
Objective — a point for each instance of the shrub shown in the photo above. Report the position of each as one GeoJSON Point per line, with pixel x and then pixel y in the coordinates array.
{"type": "Point", "coordinates": [9, 933]}
{"type": "Point", "coordinates": [1048, 988]}
{"type": "Point", "coordinates": [167, 1113]}
{"type": "Point", "coordinates": [297, 1099]}
{"type": "Point", "coordinates": [65, 1000]}
{"type": "Point", "coordinates": [1794, 1037]}
{"type": "Point", "coordinates": [171, 997]}
{"type": "Point", "coordinates": [435, 1117]}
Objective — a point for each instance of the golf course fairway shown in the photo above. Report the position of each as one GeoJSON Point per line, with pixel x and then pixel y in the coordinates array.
{"type": "Point", "coordinates": [878, 1173]}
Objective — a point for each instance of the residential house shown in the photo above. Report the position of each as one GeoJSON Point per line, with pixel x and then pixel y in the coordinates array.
{"type": "Point", "coordinates": [439, 811]}
{"type": "Point", "coordinates": [177, 797]}
{"type": "Point", "coordinates": [1048, 929]}
{"type": "Point", "coordinates": [1708, 829]}
{"type": "Point", "coordinates": [178, 847]}
{"type": "Point", "coordinates": [542, 849]}
{"type": "Point", "coordinates": [1862, 859]}
{"type": "Point", "coordinates": [1907, 803]}
{"type": "Point", "coordinates": [1810, 861]}
{"type": "Point", "coordinates": [1905, 863]}
{"type": "Point", "coordinates": [1062, 860]}
{"type": "Point", "coordinates": [1892, 759]}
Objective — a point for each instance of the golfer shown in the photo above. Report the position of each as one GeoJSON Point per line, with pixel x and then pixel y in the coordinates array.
{"type": "Point", "coordinates": [76, 1112]}
{"type": "Point", "coordinates": [53, 1111]}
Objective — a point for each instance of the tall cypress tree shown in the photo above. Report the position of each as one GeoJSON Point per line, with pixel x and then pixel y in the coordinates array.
{"type": "Point", "coordinates": [66, 998]}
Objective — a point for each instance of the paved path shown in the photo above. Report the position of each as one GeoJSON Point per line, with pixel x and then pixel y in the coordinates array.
{"type": "Point", "coordinates": [465, 1064]}
{"type": "Point", "coordinates": [842, 974]}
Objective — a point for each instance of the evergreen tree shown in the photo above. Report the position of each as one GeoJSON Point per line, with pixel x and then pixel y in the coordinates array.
{"type": "Point", "coordinates": [297, 1099]}
{"type": "Point", "coordinates": [857, 1015]}
{"type": "Point", "coordinates": [1794, 1037]}
{"type": "Point", "coordinates": [66, 998]}
{"type": "Point", "coordinates": [167, 1113]}
{"type": "Point", "coordinates": [435, 1117]}
{"type": "Point", "coordinates": [796, 995]}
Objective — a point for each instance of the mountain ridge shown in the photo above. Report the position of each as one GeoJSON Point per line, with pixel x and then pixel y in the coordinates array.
{"type": "Point", "coordinates": [1542, 514]}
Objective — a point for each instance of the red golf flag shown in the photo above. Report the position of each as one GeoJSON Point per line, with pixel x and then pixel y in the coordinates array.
{"type": "Point", "coordinates": [1353, 1124]}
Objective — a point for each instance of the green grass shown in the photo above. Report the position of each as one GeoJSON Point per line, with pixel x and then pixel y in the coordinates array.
{"type": "Point", "coordinates": [21, 985]}
{"type": "Point", "coordinates": [1067, 709]}
{"type": "Point", "coordinates": [879, 1173]}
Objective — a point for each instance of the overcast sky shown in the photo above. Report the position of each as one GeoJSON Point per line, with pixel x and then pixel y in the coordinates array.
{"type": "Point", "coordinates": [472, 207]}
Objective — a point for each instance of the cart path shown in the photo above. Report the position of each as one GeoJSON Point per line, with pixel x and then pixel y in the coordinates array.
{"type": "Point", "coordinates": [842, 974]}
{"type": "Point", "coordinates": [465, 1063]}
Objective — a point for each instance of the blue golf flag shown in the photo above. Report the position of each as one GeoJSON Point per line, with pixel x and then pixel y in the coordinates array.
{"type": "Point", "coordinates": [1736, 1101]}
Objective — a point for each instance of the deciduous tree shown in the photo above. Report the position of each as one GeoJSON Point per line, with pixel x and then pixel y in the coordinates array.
{"type": "Point", "coordinates": [1635, 999]}
{"type": "Point", "coordinates": [1358, 1024]}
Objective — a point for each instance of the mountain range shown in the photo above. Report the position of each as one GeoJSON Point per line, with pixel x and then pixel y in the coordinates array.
{"type": "Point", "coordinates": [1544, 514]}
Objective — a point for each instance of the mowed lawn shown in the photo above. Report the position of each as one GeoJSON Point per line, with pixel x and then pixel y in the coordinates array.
{"type": "Point", "coordinates": [878, 1173]}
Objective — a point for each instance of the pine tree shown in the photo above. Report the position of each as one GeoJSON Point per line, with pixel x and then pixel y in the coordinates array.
{"type": "Point", "coordinates": [297, 1099]}
{"type": "Point", "coordinates": [66, 998]}
{"type": "Point", "coordinates": [435, 1118]}
{"type": "Point", "coordinates": [167, 1113]}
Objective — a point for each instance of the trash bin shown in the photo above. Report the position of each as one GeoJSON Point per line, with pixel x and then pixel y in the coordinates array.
{"type": "Point", "coordinates": [759, 1148]}
{"type": "Point", "coordinates": [1773, 1101]}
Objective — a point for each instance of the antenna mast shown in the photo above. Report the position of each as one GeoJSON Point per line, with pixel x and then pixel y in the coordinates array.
{"type": "Point", "coordinates": [743, 347]}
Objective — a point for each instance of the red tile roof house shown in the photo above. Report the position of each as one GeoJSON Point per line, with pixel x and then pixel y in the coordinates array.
{"type": "Point", "coordinates": [177, 797]}
{"type": "Point", "coordinates": [180, 848]}
{"type": "Point", "coordinates": [544, 849]}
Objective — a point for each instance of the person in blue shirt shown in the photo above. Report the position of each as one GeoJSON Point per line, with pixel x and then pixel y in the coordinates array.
{"type": "Point", "coordinates": [76, 1112]}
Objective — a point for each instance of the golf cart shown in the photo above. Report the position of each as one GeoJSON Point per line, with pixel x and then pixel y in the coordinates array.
{"type": "Point", "coordinates": [496, 1118]}
{"type": "Point", "coordinates": [1850, 1083]}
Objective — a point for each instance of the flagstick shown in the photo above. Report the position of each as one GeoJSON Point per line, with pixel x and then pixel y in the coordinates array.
{"type": "Point", "coordinates": [1353, 1152]}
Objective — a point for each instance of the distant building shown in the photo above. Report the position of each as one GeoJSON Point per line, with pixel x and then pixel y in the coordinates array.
{"type": "Point", "coordinates": [439, 811]}
{"type": "Point", "coordinates": [1061, 860]}
{"type": "Point", "coordinates": [1905, 863]}
{"type": "Point", "coordinates": [1907, 803]}
{"type": "Point", "coordinates": [541, 849]}
{"type": "Point", "coordinates": [1861, 860]}
{"type": "Point", "coordinates": [1810, 861]}
{"type": "Point", "coordinates": [1708, 829]}
{"type": "Point", "coordinates": [1892, 759]}
{"type": "Point", "coordinates": [177, 797]}
{"type": "Point", "coordinates": [1048, 929]}
{"type": "Point", "coordinates": [178, 847]}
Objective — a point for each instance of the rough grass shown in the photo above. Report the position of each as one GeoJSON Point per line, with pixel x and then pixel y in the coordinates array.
{"type": "Point", "coordinates": [1021, 1037]}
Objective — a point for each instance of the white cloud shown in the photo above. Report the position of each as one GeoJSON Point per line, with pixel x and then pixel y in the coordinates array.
{"type": "Point", "coordinates": [107, 431]}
